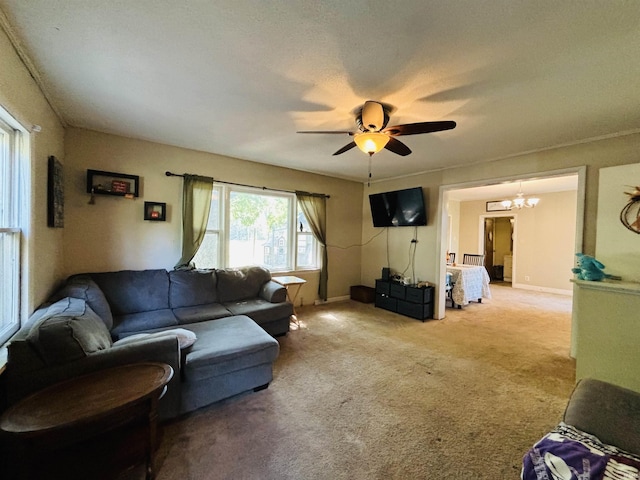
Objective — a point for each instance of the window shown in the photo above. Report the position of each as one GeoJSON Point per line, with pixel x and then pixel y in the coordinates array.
{"type": "Point", "coordinates": [209, 253]}
{"type": "Point", "coordinates": [307, 254]}
{"type": "Point", "coordinates": [259, 229]}
{"type": "Point", "coordinates": [10, 231]}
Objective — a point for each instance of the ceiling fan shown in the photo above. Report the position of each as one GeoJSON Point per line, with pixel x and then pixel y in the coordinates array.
{"type": "Point", "coordinates": [373, 134]}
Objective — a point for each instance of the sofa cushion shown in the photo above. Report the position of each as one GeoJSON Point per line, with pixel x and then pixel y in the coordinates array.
{"type": "Point", "coordinates": [227, 345]}
{"type": "Point", "coordinates": [133, 291]}
{"type": "Point", "coordinates": [192, 287]}
{"type": "Point", "coordinates": [200, 313]}
{"type": "Point", "coordinates": [186, 338]}
{"type": "Point", "coordinates": [83, 287]}
{"type": "Point", "coordinates": [260, 310]}
{"type": "Point", "coordinates": [241, 283]}
{"type": "Point", "coordinates": [138, 322]}
{"type": "Point", "coordinates": [567, 452]}
{"type": "Point", "coordinates": [609, 411]}
{"type": "Point", "coordinates": [68, 331]}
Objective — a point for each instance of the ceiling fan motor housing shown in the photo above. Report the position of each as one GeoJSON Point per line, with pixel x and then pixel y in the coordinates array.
{"type": "Point", "coordinates": [373, 117]}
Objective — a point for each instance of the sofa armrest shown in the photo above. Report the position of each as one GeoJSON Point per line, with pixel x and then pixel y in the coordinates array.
{"type": "Point", "coordinates": [273, 292]}
{"type": "Point", "coordinates": [162, 349]}
{"type": "Point", "coordinates": [609, 412]}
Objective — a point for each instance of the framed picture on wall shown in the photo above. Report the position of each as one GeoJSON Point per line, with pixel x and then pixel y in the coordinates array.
{"type": "Point", "coordinates": [496, 206]}
{"type": "Point", "coordinates": [55, 194]}
{"type": "Point", "coordinates": [155, 211]}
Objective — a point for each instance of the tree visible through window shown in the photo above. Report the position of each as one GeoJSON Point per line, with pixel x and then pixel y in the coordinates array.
{"type": "Point", "coordinates": [259, 228]}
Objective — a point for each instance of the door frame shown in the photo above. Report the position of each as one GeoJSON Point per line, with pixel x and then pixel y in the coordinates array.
{"type": "Point", "coordinates": [443, 213]}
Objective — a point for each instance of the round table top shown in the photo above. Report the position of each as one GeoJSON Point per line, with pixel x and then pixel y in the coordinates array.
{"type": "Point", "coordinates": [85, 398]}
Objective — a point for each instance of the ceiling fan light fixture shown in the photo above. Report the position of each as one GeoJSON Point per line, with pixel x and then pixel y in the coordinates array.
{"type": "Point", "coordinates": [371, 142]}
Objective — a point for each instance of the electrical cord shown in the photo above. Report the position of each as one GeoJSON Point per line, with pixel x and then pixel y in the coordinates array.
{"type": "Point", "coordinates": [412, 255]}
{"type": "Point", "coordinates": [365, 243]}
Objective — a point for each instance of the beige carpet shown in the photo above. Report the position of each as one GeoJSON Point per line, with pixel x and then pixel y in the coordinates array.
{"type": "Point", "coordinates": [362, 393]}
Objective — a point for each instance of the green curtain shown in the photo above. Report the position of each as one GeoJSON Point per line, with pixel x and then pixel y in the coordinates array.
{"type": "Point", "coordinates": [196, 203]}
{"type": "Point", "coordinates": [315, 209]}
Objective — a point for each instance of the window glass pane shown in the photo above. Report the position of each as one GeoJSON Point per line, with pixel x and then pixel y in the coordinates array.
{"type": "Point", "coordinates": [259, 230]}
{"type": "Point", "coordinates": [306, 250]}
{"type": "Point", "coordinates": [209, 252]}
{"type": "Point", "coordinates": [9, 229]}
{"type": "Point", "coordinates": [303, 224]}
{"type": "Point", "coordinates": [214, 214]}
{"type": "Point", "coordinates": [9, 265]}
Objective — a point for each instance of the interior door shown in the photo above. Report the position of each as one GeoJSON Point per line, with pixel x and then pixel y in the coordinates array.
{"type": "Point", "coordinates": [488, 245]}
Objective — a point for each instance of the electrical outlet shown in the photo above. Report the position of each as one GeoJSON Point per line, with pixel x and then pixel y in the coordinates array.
{"type": "Point", "coordinates": [527, 278]}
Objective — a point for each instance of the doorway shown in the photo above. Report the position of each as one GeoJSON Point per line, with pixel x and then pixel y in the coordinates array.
{"type": "Point", "coordinates": [498, 246]}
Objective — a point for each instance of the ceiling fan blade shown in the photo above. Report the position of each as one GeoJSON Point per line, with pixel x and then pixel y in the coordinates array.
{"type": "Point", "coordinates": [348, 132]}
{"type": "Point", "coordinates": [421, 127]}
{"type": "Point", "coordinates": [396, 146]}
{"type": "Point", "coordinates": [347, 147]}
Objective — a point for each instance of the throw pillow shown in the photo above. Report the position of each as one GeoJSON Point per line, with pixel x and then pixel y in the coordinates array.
{"type": "Point", "coordinates": [186, 338]}
{"type": "Point", "coordinates": [84, 288]}
{"type": "Point", "coordinates": [241, 283]}
{"type": "Point", "coordinates": [68, 331]}
{"type": "Point", "coordinates": [567, 453]}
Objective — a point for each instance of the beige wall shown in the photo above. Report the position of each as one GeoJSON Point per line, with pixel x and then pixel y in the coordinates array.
{"type": "Point", "coordinates": [42, 246]}
{"type": "Point", "coordinates": [605, 313]}
{"type": "Point", "coordinates": [617, 247]}
{"type": "Point", "coordinates": [112, 234]}
{"type": "Point", "coordinates": [544, 240]}
{"type": "Point", "coordinates": [374, 253]}
{"type": "Point", "coordinates": [607, 332]}
{"type": "Point", "coordinates": [594, 155]}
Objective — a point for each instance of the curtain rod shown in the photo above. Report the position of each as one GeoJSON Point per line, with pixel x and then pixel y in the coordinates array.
{"type": "Point", "coordinates": [169, 174]}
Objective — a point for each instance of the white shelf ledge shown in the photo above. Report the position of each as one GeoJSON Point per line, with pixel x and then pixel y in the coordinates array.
{"type": "Point", "coordinates": [614, 286]}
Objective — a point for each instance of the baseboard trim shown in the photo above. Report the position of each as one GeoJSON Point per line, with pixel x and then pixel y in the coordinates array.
{"type": "Point", "coordinates": [557, 291]}
{"type": "Point", "coordinates": [332, 300]}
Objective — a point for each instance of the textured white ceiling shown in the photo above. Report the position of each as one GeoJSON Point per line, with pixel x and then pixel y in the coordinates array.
{"type": "Point", "coordinates": [239, 77]}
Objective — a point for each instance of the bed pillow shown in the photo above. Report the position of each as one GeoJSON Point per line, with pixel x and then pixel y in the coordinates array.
{"type": "Point", "coordinates": [567, 453]}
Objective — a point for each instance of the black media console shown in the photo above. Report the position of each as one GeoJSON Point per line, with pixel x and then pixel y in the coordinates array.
{"type": "Point", "coordinates": [409, 300]}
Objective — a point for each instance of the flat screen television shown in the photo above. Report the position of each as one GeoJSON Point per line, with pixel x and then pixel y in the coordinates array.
{"type": "Point", "coordinates": [400, 208]}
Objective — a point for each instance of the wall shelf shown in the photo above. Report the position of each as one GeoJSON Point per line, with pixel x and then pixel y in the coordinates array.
{"type": "Point", "coordinates": [111, 183]}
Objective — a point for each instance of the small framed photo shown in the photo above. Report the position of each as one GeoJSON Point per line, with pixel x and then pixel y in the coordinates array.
{"type": "Point", "coordinates": [496, 206]}
{"type": "Point", "coordinates": [155, 211]}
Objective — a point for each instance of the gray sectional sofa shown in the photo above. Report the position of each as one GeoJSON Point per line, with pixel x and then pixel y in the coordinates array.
{"type": "Point", "coordinates": [99, 320]}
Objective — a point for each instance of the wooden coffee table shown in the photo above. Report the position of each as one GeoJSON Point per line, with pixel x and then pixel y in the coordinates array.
{"type": "Point", "coordinates": [92, 426]}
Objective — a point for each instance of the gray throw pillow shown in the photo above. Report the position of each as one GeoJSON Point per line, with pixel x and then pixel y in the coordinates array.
{"type": "Point", "coordinates": [83, 287]}
{"type": "Point", "coordinates": [68, 331]}
{"type": "Point", "coordinates": [241, 283]}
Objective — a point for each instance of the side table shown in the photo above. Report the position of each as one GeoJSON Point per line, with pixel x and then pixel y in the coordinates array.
{"type": "Point", "coordinates": [287, 282]}
{"type": "Point", "coordinates": [91, 426]}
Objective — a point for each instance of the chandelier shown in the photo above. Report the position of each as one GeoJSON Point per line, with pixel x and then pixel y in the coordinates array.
{"type": "Point", "coordinates": [520, 201]}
